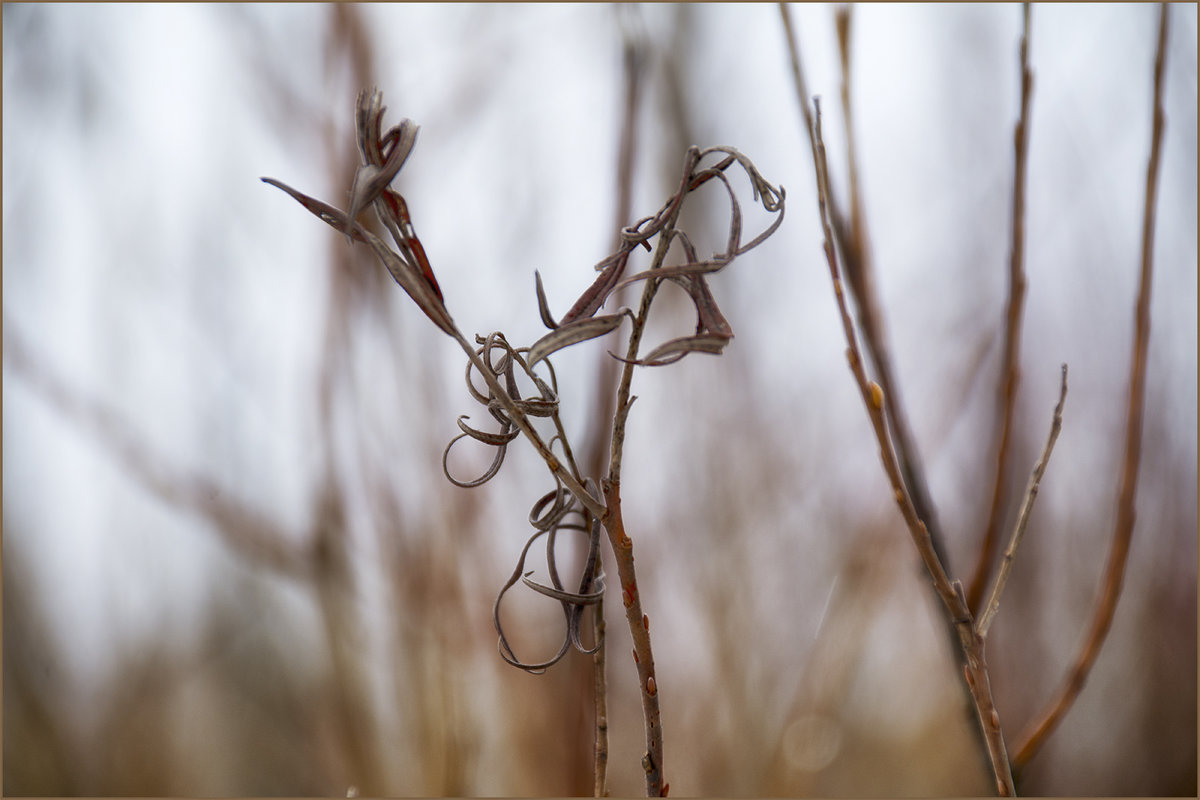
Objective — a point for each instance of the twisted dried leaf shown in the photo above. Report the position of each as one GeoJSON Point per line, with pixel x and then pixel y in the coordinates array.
{"type": "Point", "coordinates": [404, 272]}
{"type": "Point", "coordinates": [501, 360]}
{"type": "Point", "coordinates": [713, 331]}
{"type": "Point", "coordinates": [594, 296]}
{"type": "Point", "coordinates": [336, 218]}
{"type": "Point", "coordinates": [492, 470]}
{"type": "Point", "coordinates": [591, 585]}
{"type": "Point", "coordinates": [413, 281]}
{"type": "Point", "coordinates": [497, 439]}
{"type": "Point", "coordinates": [581, 330]}
{"type": "Point", "coordinates": [671, 351]}
{"type": "Point", "coordinates": [371, 178]}
{"type": "Point", "coordinates": [575, 598]}
{"type": "Point", "coordinates": [550, 508]}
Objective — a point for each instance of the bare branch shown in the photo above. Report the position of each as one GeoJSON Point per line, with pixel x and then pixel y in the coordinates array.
{"type": "Point", "coordinates": [975, 669]}
{"type": "Point", "coordinates": [852, 239]}
{"type": "Point", "coordinates": [1114, 573]}
{"type": "Point", "coordinates": [985, 619]}
{"type": "Point", "coordinates": [1010, 370]}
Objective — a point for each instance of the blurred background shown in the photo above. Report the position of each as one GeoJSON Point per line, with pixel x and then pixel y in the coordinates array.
{"type": "Point", "coordinates": [232, 565]}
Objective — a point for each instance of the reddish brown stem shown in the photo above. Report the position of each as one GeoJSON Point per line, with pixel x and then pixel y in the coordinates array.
{"type": "Point", "coordinates": [1114, 573]}
{"type": "Point", "coordinates": [639, 627]}
{"type": "Point", "coordinates": [952, 596]}
{"type": "Point", "coordinates": [1010, 371]}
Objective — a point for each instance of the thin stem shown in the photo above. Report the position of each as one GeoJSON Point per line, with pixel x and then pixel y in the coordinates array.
{"type": "Point", "coordinates": [633, 59]}
{"type": "Point", "coordinates": [1035, 479]}
{"type": "Point", "coordinates": [639, 629]}
{"type": "Point", "coordinates": [600, 693]}
{"type": "Point", "coordinates": [1010, 371]}
{"type": "Point", "coordinates": [857, 246]}
{"type": "Point", "coordinates": [1114, 573]}
{"type": "Point", "coordinates": [614, 523]}
{"type": "Point", "coordinates": [975, 671]}
{"type": "Point", "coordinates": [665, 237]}
{"type": "Point", "coordinates": [872, 393]}
{"type": "Point", "coordinates": [858, 274]}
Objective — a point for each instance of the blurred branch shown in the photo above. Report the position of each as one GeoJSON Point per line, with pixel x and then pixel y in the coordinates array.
{"type": "Point", "coordinates": [633, 61]}
{"type": "Point", "coordinates": [975, 669]}
{"type": "Point", "coordinates": [1010, 371]}
{"type": "Point", "coordinates": [853, 242]}
{"type": "Point", "coordinates": [254, 537]}
{"type": "Point", "coordinates": [855, 248]}
{"type": "Point", "coordinates": [985, 618]}
{"type": "Point", "coordinates": [347, 46]}
{"type": "Point", "coordinates": [1114, 573]}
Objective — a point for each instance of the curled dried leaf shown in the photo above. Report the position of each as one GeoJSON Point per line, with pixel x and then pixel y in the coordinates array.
{"type": "Point", "coordinates": [382, 158]}
{"type": "Point", "coordinates": [334, 217]}
{"type": "Point", "coordinates": [581, 330]}
{"type": "Point", "coordinates": [713, 331]}
{"type": "Point", "coordinates": [671, 351]}
{"type": "Point", "coordinates": [501, 360]}
{"type": "Point", "coordinates": [590, 591]}
{"type": "Point", "coordinates": [497, 439]}
{"type": "Point", "coordinates": [576, 598]}
{"type": "Point", "coordinates": [497, 462]}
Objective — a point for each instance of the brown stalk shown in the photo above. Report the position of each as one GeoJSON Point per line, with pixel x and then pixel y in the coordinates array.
{"type": "Point", "coordinates": [633, 59]}
{"type": "Point", "coordinates": [1114, 574]}
{"type": "Point", "coordinates": [1010, 371]}
{"type": "Point", "coordinates": [353, 716]}
{"type": "Point", "coordinates": [984, 620]}
{"type": "Point", "coordinates": [854, 244]}
{"type": "Point", "coordinates": [975, 669]}
{"type": "Point", "coordinates": [639, 628]}
{"type": "Point", "coordinates": [614, 524]}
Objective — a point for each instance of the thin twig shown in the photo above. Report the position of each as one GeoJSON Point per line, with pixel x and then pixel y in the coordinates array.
{"type": "Point", "coordinates": [797, 67]}
{"type": "Point", "coordinates": [872, 393]}
{"type": "Point", "coordinates": [975, 671]}
{"type": "Point", "coordinates": [639, 628]}
{"type": "Point", "coordinates": [856, 254]}
{"type": "Point", "coordinates": [1114, 573]}
{"type": "Point", "coordinates": [600, 693]}
{"type": "Point", "coordinates": [1035, 479]}
{"type": "Point", "coordinates": [633, 60]}
{"type": "Point", "coordinates": [856, 248]}
{"type": "Point", "coordinates": [614, 524]}
{"type": "Point", "coordinates": [1010, 371]}
{"type": "Point", "coordinates": [624, 401]}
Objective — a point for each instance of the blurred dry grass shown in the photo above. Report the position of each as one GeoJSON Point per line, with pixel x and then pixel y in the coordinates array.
{"type": "Point", "coordinates": [799, 650]}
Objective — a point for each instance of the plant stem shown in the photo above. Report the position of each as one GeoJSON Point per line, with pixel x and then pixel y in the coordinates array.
{"type": "Point", "coordinates": [639, 629]}
{"type": "Point", "coordinates": [614, 524]}
{"type": "Point", "coordinates": [1010, 371]}
{"type": "Point", "coordinates": [1114, 573]}
{"type": "Point", "coordinates": [975, 669]}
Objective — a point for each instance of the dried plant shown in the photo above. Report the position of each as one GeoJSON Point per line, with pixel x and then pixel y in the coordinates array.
{"type": "Point", "coordinates": [966, 617]}
{"type": "Point", "coordinates": [571, 505]}
{"type": "Point", "coordinates": [321, 728]}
